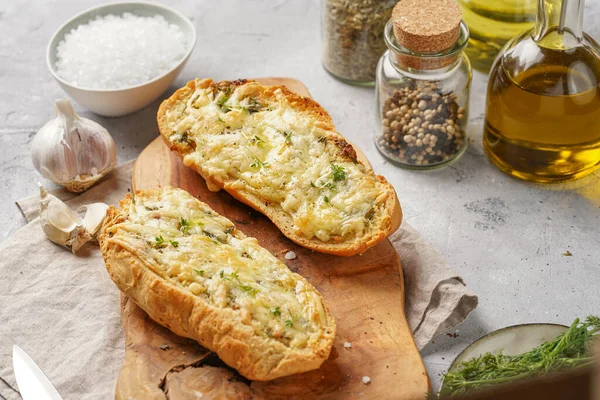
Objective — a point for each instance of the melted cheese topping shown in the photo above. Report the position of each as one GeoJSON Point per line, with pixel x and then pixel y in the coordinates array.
{"type": "Point", "coordinates": [203, 253]}
{"type": "Point", "coordinates": [269, 149]}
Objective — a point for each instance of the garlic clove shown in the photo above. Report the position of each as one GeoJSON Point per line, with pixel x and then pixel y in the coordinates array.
{"type": "Point", "coordinates": [94, 217]}
{"type": "Point", "coordinates": [64, 226]}
{"type": "Point", "coordinates": [72, 151]}
{"type": "Point", "coordinates": [58, 221]}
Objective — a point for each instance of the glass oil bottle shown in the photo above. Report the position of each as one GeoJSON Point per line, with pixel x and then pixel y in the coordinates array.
{"type": "Point", "coordinates": [492, 23]}
{"type": "Point", "coordinates": [542, 120]}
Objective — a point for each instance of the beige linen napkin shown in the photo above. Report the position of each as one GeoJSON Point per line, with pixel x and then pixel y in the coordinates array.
{"type": "Point", "coordinates": [63, 310]}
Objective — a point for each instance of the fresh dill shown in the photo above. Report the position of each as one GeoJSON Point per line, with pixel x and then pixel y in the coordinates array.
{"type": "Point", "coordinates": [184, 225]}
{"type": "Point", "coordinates": [254, 106]}
{"type": "Point", "coordinates": [289, 323]}
{"type": "Point", "coordinates": [221, 103]}
{"type": "Point", "coordinates": [570, 349]}
{"type": "Point", "coordinates": [275, 311]}
{"type": "Point", "coordinates": [248, 289]}
{"type": "Point", "coordinates": [259, 164]}
{"type": "Point", "coordinates": [160, 242]}
{"type": "Point", "coordinates": [199, 272]}
{"type": "Point", "coordinates": [338, 173]}
{"type": "Point", "coordinates": [257, 141]}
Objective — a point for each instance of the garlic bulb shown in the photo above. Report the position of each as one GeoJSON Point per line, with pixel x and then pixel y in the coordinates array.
{"type": "Point", "coordinates": [64, 226]}
{"type": "Point", "coordinates": [71, 151]}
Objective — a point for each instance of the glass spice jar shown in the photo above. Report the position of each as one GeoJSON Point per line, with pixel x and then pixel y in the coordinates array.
{"type": "Point", "coordinates": [423, 83]}
{"type": "Point", "coordinates": [352, 38]}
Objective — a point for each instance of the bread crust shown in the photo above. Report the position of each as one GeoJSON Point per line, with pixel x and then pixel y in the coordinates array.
{"type": "Point", "coordinates": [218, 329]}
{"type": "Point", "coordinates": [389, 217]}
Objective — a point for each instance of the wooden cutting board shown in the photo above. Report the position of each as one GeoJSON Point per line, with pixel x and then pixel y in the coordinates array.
{"type": "Point", "coordinates": [364, 293]}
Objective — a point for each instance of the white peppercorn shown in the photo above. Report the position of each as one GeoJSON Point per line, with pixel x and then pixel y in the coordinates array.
{"type": "Point", "coordinates": [424, 125]}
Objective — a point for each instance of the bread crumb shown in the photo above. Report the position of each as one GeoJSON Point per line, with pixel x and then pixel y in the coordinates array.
{"type": "Point", "coordinates": [290, 255]}
{"type": "Point", "coordinates": [366, 380]}
{"type": "Point", "coordinates": [348, 345]}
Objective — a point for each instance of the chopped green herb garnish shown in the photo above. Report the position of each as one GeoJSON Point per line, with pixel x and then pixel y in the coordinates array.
{"type": "Point", "coordinates": [199, 272]}
{"type": "Point", "coordinates": [248, 289]}
{"type": "Point", "coordinates": [174, 243]}
{"type": "Point", "coordinates": [222, 274]}
{"type": "Point", "coordinates": [289, 323]}
{"type": "Point", "coordinates": [288, 137]}
{"type": "Point", "coordinates": [326, 199]}
{"type": "Point", "coordinates": [275, 311]}
{"type": "Point", "coordinates": [229, 230]}
{"type": "Point", "coordinates": [253, 106]}
{"type": "Point", "coordinates": [220, 120]}
{"type": "Point", "coordinates": [186, 139]}
{"type": "Point", "coordinates": [221, 103]}
{"type": "Point", "coordinates": [160, 242]}
{"type": "Point", "coordinates": [257, 141]}
{"type": "Point", "coordinates": [151, 208]}
{"type": "Point", "coordinates": [185, 225]}
{"type": "Point", "coordinates": [338, 173]}
{"type": "Point", "coordinates": [259, 164]}
{"type": "Point", "coordinates": [235, 275]}
{"type": "Point", "coordinates": [322, 139]}
{"type": "Point", "coordinates": [312, 184]}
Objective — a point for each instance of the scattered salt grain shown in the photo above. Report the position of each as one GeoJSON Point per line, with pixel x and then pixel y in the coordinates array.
{"type": "Point", "coordinates": [118, 51]}
{"type": "Point", "coordinates": [366, 380]}
{"type": "Point", "coordinates": [348, 345]}
{"type": "Point", "coordinates": [290, 255]}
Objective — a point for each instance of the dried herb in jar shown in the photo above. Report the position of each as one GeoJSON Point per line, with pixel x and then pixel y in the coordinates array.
{"type": "Point", "coordinates": [353, 37]}
{"type": "Point", "coordinates": [422, 125]}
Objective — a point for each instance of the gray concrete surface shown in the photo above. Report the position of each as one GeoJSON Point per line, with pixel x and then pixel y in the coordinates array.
{"type": "Point", "coordinates": [506, 238]}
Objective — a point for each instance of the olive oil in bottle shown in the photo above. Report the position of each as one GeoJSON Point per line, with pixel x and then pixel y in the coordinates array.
{"type": "Point", "coordinates": [492, 23]}
{"type": "Point", "coordinates": [543, 105]}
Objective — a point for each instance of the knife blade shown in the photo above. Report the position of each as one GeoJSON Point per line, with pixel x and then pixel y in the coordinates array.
{"type": "Point", "coordinates": [31, 380]}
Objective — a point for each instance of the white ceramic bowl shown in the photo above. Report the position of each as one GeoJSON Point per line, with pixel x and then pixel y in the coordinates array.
{"type": "Point", "coordinates": [118, 102]}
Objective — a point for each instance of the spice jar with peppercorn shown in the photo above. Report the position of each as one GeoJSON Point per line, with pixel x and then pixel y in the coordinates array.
{"type": "Point", "coordinates": [352, 38]}
{"type": "Point", "coordinates": [423, 83]}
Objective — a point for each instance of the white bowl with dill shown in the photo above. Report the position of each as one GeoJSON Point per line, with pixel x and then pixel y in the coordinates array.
{"type": "Point", "coordinates": [117, 58]}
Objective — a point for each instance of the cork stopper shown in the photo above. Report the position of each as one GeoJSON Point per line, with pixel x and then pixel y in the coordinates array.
{"type": "Point", "coordinates": [427, 26]}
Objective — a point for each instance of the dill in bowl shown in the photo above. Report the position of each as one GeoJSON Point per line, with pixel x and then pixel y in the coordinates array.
{"type": "Point", "coordinates": [568, 350]}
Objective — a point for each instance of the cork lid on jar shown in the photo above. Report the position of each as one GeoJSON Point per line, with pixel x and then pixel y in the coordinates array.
{"type": "Point", "coordinates": [427, 26]}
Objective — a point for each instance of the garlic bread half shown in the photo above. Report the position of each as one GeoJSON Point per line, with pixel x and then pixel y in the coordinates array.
{"type": "Point", "coordinates": [280, 154]}
{"type": "Point", "coordinates": [193, 272]}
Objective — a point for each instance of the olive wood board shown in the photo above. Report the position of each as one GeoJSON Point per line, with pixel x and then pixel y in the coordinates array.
{"type": "Point", "coordinates": [364, 293]}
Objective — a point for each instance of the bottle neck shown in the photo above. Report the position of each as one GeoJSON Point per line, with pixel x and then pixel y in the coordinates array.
{"type": "Point", "coordinates": [559, 23]}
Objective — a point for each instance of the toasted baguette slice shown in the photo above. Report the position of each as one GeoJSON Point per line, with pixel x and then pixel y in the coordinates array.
{"type": "Point", "coordinates": [193, 272]}
{"type": "Point", "coordinates": [280, 154]}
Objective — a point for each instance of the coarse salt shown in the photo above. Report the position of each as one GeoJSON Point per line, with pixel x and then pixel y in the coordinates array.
{"type": "Point", "coordinates": [119, 51]}
{"type": "Point", "coordinates": [290, 255]}
{"type": "Point", "coordinates": [366, 380]}
{"type": "Point", "coordinates": [348, 345]}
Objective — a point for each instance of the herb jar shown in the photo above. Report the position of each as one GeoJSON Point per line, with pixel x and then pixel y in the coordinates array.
{"type": "Point", "coordinates": [352, 38]}
{"type": "Point", "coordinates": [423, 83]}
